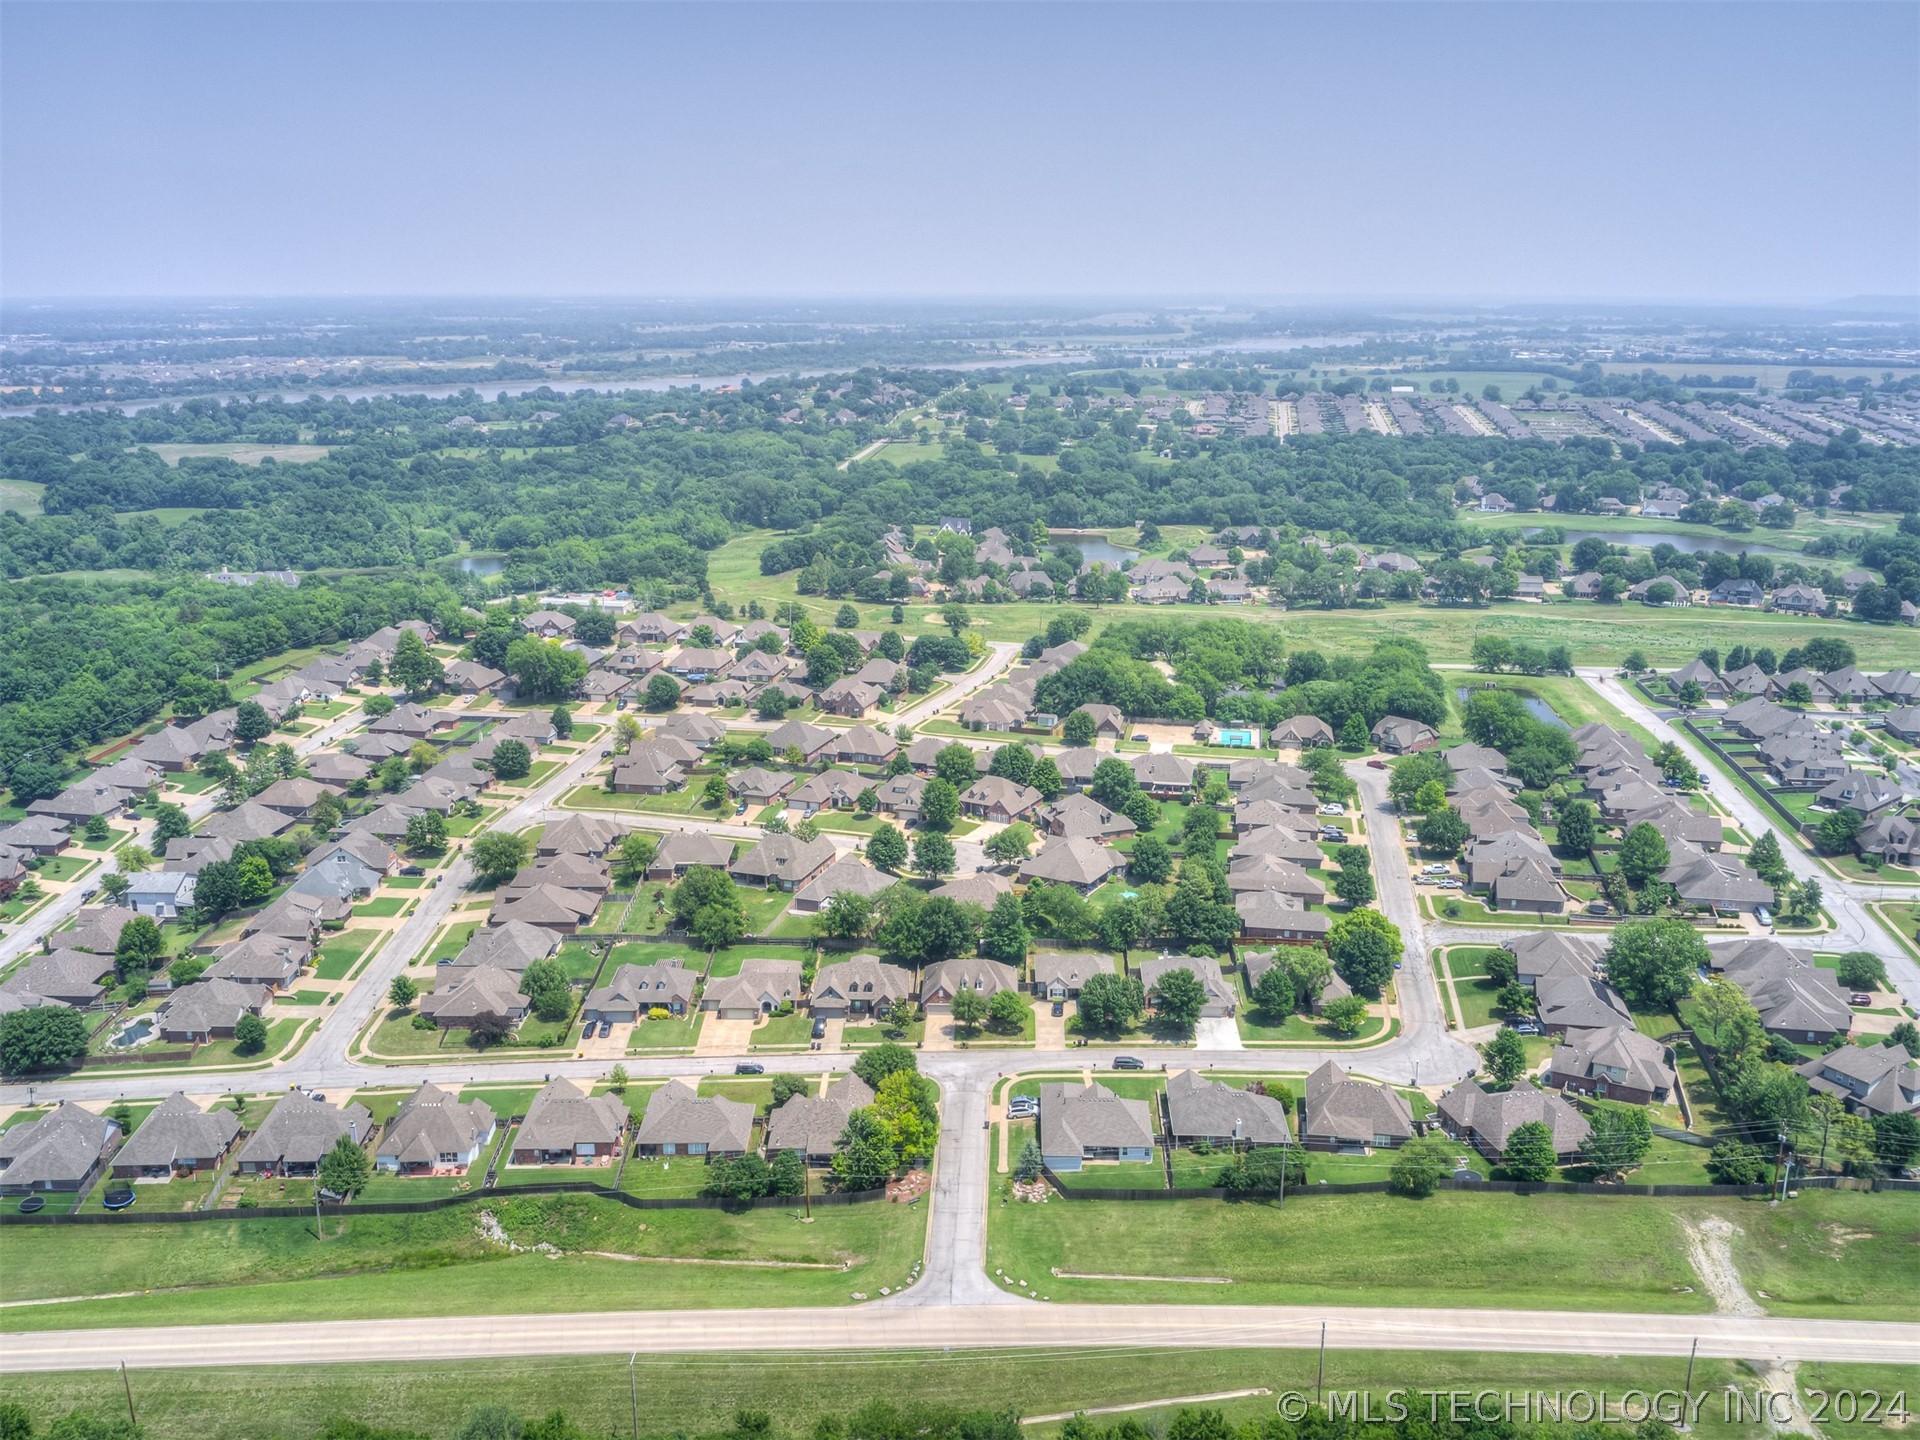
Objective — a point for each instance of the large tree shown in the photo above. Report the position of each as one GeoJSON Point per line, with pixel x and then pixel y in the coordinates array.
{"type": "Point", "coordinates": [1643, 854]}
{"type": "Point", "coordinates": [1529, 1153]}
{"type": "Point", "coordinates": [887, 847]}
{"type": "Point", "coordinates": [47, 1037]}
{"type": "Point", "coordinates": [1619, 1138]}
{"type": "Point", "coordinates": [497, 856]}
{"type": "Point", "coordinates": [1178, 998]}
{"type": "Point", "coordinates": [1110, 1002]}
{"type": "Point", "coordinates": [1363, 946]}
{"type": "Point", "coordinates": [1655, 962]}
{"type": "Point", "coordinates": [542, 670]}
{"type": "Point", "coordinates": [345, 1169]}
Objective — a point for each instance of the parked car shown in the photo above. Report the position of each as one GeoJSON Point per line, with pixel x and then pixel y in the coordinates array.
{"type": "Point", "coordinates": [1376, 764]}
{"type": "Point", "coordinates": [1451, 884]}
{"type": "Point", "coordinates": [1128, 1062]}
{"type": "Point", "coordinates": [412, 870]}
{"type": "Point", "coordinates": [1525, 1027]}
{"type": "Point", "coordinates": [606, 1028]}
{"type": "Point", "coordinates": [1140, 736]}
{"type": "Point", "coordinates": [1333, 809]}
{"type": "Point", "coordinates": [819, 1028]}
{"type": "Point", "coordinates": [1433, 869]}
{"type": "Point", "coordinates": [1859, 997]}
{"type": "Point", "coordinates": [1059, 1008]}
{"type": "Point", "coordinates": [1763, 915]}
{"type": "Point", "coordinates": [749, 1067]}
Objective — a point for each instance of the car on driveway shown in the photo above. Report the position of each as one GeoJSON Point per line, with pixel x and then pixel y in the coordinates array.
{"type": "Point", "coordinates": [1333, 809]}
{"type": "Point", "coordinates": [1376, 764]}
{"type": "Point", "coordinates": [1453, 884]}
{"type": "Point", "coordinates": [819, 1027]}
{"type": "Point", "coordinates": [1433, 869]}
{"type": "Point", "coordinates": [1059, 1008]}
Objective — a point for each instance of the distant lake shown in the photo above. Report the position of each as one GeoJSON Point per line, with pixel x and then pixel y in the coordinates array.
{"type": "Point", "coordinates": [1536, 707]}
{"type": "Point", "coordinates": [1688, 544]}
{"type": "Point", "coordinates": [1094, 547]}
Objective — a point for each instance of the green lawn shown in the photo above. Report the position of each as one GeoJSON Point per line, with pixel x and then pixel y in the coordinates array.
{"type": "Point", "coordinates": [374, 1265]}
{"type": "Point", "coordinates": [699, 1395]}
{"type": "Point", "coordinates": [667, 1034]}
{"type": "Point", "coordinates": [1545, 1251]}
{"type": "Point", "coordinates": [341, 953]}
{"type": "Point", "coordinates": [381, 907]}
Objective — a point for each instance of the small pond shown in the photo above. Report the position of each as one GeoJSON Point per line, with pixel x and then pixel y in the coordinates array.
{"type": "Point", "coordinates": [1094, 547]}
{"type": "Point", "coordinates": [1536, 707]}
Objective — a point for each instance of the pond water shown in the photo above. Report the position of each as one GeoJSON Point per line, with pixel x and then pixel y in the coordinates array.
{"type": "Point", "coordinates": [1703, 543]}
{"type": "Point", "coordinates": [1536, 707]}
{"type": "Point", "coordinates": [482, 564]}
{"type": "Point", "coordinates": [1094, 547]}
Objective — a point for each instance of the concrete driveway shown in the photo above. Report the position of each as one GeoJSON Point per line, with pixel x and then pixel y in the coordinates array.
{"type": "Point", "coordinates": [1217, 1032]}
{"type": "Point", "coordinates": [724, 1037]}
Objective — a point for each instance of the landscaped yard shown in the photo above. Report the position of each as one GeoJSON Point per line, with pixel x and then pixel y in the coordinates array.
{"type": "Point", "coordinates": [381, 907]}
{"type": "Point", "coordinates": [667, 1034]}
{"type": "Point", "coordinates": [342, 952]}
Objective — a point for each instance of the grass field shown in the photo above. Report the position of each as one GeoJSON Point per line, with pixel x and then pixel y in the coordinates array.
{"type": "Point", "coordinates": [438, 1263]}
{"type": "Point", "coordinates": [1545, 1251]}
{"type": "Point", "coordinates": [241, 452]}
{"type": "Point", "coordinates": [698, 1395]}
{"type": "Point", "coordinates": [23, 497]}
{"type": "Point", "coordinates": [1597, 634]}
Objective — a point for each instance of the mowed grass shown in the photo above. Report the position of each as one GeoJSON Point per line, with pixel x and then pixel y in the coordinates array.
{"type": "Point", "coordinates": [1597, 634]}
{"type": "Point", "coordinates": [404, 1265]}
{"type": "Point", "coordinates": [23, 497]}
{"type": "Point", "coordinates": [241, 452]}
{"type": "Point", "coordinates": [1539, 1251]}
{"type": "Point", "coordinates": [699, 1394]}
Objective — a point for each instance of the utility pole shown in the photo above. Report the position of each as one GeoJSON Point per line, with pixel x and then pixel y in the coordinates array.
{"type": "Point", "coordinates": [1687, 1388]}
{"type": "Point", "coordinates": [1320, 1374]}
{"type": "Point", "coordinates": [806, 1182]}
{"type": "Point", "coordinates": [1826, 1123]}
{"type": "Point", "coordinates": [1783, 1165]}
{"type": "Point", "coordinates": [132, 1419]}
{"type": "Point", "coordinates": [633, 1392]}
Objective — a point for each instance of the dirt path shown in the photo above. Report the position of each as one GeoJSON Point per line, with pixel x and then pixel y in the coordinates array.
{"type": "Point", "coordinates": [1709, 1249]}
{"type": "Point", "coordinates": [1147, 1405]}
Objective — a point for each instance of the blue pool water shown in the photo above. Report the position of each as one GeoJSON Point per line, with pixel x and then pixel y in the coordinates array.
{"type": "Point", "coordinates": [1242, 738]}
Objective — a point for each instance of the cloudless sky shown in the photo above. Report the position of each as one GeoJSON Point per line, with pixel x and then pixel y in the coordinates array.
{"type": "Point", "coordinates": [1665, 151]}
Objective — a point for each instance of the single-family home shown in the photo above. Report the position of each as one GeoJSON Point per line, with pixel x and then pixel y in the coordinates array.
{"type": "Point", "coordinates": [1082, 1124]}
{"type": "Point", "coordinates": [1486, 1119]}
{"type": "Point", "coordinates": [176, 1138]}
{"type": "Point", "coordinates": [1619, 1063]}
{"type": "Point", "coordinates": [759, 988]}
{"type": "Point", "coordinates": [1352, 1116]}
{"type": "Point", "coordinates": [297, 1134]}
{"type": "Point", "coordinates": [862, 985]}
{"type": "Point", "coordinates": [566, 1126]}
{"type": "Point", "coordinates": [812, 1125]}
{"type": "Point", "coordinates": [434, 1133]}
{"type": "Point", "coordinates": [1203, 1111]}
{"type": "Point", "coordinates": [62, 1150]}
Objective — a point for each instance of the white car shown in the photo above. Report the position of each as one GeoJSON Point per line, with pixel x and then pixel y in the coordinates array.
{"type": "Point", "coordinates": [1333, 810]}
{"type": "Point", "coordinates": [1433, 869]}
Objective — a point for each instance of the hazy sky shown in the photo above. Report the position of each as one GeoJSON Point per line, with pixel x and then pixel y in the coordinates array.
{"type": "Point", "coordinates": [1677, 151]}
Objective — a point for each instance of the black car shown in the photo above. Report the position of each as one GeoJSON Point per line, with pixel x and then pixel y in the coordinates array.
{"type": "Point", "coordinates": [819, 1028]}
{"type": "Point", "coordinates": [1128, 1062]}
{"type": "Point", "coordinates": [411, 870]}
{"type": "Point", "coordinates": [749, 1067]}
{"type": "Point", "coordinates": [1059, 1008]}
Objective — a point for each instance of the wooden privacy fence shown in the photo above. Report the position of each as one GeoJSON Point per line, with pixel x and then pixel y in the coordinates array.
{"type": "Point", "coordinates": [424, 1207]}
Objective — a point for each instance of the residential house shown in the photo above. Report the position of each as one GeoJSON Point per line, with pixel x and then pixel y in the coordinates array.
{"type": "Point", "coordinates": [995, 798]}
{"type": "Point", "coordinates": [684, 849]}
{"type": "Point", "coordinates": [511, 947]}
{"type": "Point", "coordinates": [1795, 998]}
{"type": "Point", "coordinates": [62, 1150]}
{"type": "Point", "coordinates": [944, 979]}
{"type": "Point", "coordinates": [479, 998]}
{"type": "Point", "coordinates": [1162, 774]}
{"type": "Point", "coordinates": [297, 1134]}
{"type": "Point", "coordinates": [902, 795]}
{"type": "Point", "coordinates": [852, 698]}
{"type": "Point", "coordinates": [1873, 1080]}
{"type": "Point", "coordinates": [349, 869]}
{"type": "Point", "coordinates": [1203, 1111]}
{"type": "Point", "coordinates": [1352, 1116]}
{"type": "Point", "coordinates": [207, 1010]}
{"type": "Point", "coordinates": [783, 862]}
{"type": "Point", "coordinates": [1302, 732]}
{"type": "Point", "coordinates": [1220, 998]}
{"type": "Point", "coordinates": [176, 1138]}
{"type": "Point", "coordinates": [829, 790]}
{"type": "Point", "coordinates": [1271, 915]}
{"type": "Point", "coordinates": [470, 677]}
{"type": "Point", "coordinates": [567, 1126]}
{"type": "Point", "coordinates": [261, 962]}
{"type": "Point", "coordinates": [1059, 974]}
{"type": "Point", "coordinates": [1083, 864]}
{"type": "Point", "coordinates": [812, 1125]}
{"type": "Point", "coordinates": [864, 745]}
{"type": "Point", "coordinates": [759, 786]}
{"type": "Point", "coordinates": [635, 989]}
{"type": "Point", "coordinates": [548, 624]}
{"type": "Point", "coordinates": [815, 743]}
{"type": "Point", "coordinates": [161, 894]}
{"type": "Point", "coordinates": [1746, 593]}
{"type": "Point", "coordinates": [1893, 839]}
{"type": "Point", "coordinates": [1617, 1063]}
{"type": "Point", "coordinates": [759, 988]}
{"type": "Point", "coordinates": [1399, 736]}
{"type": "Point", "coordinates": [862, 985]}
{"type": "Point", "coordinates": [1087, 1123]}
{"type": "Point", "coordinates": [434, 1133]}
{"type": "Point", "coordinates": [551, 907]}
{"type": "Point", "coordinates": [578, 835]}
{"type": "Point", "coordinates": [1722, 883]}
{"type": "Point", "coordinates": [1487, 1119]}
{"type": "Point", "coordinates": [1081, 817]}
{"type": "Point", "coordinates": [846, 876]}
{"type": "Point", "coordinates": [1800, 600]}
{"type": "Point", "coordinates": [1567, 1000]}
{"type": "Point", "coordinates": [1864, 792]}
{"type": "Point", "coordinates": [60, 977]}
{"type": "Point", "coordinates": [1108, 722]}
{"type": "Point", "coordinates": [681, 1121]}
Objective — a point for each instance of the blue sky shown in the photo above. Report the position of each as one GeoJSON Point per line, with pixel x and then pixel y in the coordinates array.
{"type": "Point", "coordinates": [1672, 151]}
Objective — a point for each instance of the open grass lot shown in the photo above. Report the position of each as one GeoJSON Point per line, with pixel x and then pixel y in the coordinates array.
{"type": "Point", "coordinates": [23, 497]}
{"type": "Point", "coordinates": [1546, 1251]}
{"type": "Point", "coordinates": [241, 452]}
{"type": "Point", "coordinates": [340, 954]}
{"type": "Point", "coordinates": [372, 1265]}
{"type": "Point", "coordinates": [1597, 634]}
{"type": "Point", "coordinates": [698, 1394]}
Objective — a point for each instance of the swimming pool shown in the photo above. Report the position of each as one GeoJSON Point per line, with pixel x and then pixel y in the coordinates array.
{"type": "Point", "coordinates": [1241, 738]}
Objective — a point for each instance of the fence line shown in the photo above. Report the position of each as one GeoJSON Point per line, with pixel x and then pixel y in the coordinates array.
{"type": "Point", "coordinates": [1382, 1187]}
{"type": "Point", "coordinates": [443, 1202]}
